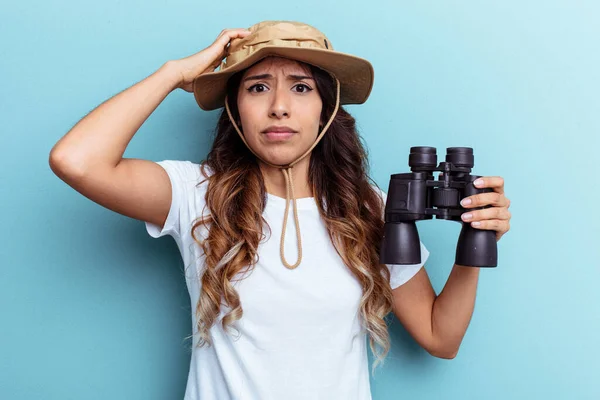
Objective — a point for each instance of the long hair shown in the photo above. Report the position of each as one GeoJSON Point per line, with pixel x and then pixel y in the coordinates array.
{"type": "Point", "coordinates": [349, 204]}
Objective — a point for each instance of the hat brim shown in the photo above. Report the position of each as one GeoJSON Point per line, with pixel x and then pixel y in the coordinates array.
{"type": "Point", "coordinates": [355, 74]}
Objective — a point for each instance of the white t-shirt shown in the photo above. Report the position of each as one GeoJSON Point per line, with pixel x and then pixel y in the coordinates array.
{"type": "Point", "coordinates": [300, 336]}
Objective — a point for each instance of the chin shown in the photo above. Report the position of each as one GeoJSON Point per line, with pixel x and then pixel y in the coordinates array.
{"type": "Point", "coordinates": [280, 158]}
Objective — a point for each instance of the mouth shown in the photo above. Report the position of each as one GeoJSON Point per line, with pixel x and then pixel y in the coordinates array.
{"type": "Point", "coordinates": [279, 136]}
{"type": "Point", "coordinates": [279, 133]}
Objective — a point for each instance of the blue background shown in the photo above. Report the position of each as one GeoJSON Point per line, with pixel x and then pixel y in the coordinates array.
{"type": "Point", "coordinates": [93, 308]}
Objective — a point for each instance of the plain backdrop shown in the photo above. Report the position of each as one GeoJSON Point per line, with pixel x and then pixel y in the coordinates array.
{"type": "Point", "coordinates": [93, 308]}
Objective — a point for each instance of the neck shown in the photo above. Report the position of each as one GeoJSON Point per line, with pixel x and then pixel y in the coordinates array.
{"type": "Point", "coordinates": [275, 181]}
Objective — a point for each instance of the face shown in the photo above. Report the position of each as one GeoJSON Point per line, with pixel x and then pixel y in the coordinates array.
{"type": "Point", "coordinates": [279, 94]}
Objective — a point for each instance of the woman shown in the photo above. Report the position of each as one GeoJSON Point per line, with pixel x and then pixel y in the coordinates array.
{"type": "Point", "coordinates": [278, 314]}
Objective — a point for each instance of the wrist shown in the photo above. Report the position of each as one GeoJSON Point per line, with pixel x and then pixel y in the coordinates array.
{"type": "Point", "coordinates": [171, 73]}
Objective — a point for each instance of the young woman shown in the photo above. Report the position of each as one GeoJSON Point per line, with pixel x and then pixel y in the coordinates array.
{"type": "Point", "coordinates": [282, 307]}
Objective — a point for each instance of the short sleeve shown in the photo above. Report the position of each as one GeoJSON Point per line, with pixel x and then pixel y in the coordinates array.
{"type": "Point", "coordinates": [184, 177]}
{"type": "Point", "coordinates": [400, 274]}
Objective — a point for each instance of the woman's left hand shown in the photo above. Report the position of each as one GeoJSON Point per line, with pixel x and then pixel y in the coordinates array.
{"type": "Point", "coordinates": [497, 217]}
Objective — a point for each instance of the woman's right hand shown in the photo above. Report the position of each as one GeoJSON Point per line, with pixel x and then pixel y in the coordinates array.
{"type": "Point", "coordinates": [207, 60]}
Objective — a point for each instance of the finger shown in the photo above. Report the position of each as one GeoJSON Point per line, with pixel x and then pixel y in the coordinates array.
{"type": "Point", "coordinates": [227, 34]}
{"type": "Point", "coordinates": [222, 41]}
{"type": "Point", "coordinates": [494, 182]}
{"type": "Point", "coordinates": [499, 213]}
{"type": "Point", "coordinates": [484, 199]}
{"type": "Point", "coordinates": [229, 30]}
{"type": "Point", "coordinates": [497, 225]}
{"type": "Point", "coordinates": [219, 46]}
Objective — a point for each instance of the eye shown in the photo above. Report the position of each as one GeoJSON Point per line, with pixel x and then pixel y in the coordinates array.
{"type": "Point", "coordinates": [306, 88]}
{"type": "Point", "coordinates": [250, 89]}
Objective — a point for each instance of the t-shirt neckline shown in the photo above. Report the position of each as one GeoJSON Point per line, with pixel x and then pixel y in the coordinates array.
{"type": "Point", "coordinates": [303, 203]}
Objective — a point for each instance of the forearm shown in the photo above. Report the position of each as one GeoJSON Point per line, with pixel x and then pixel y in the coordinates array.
{"type": "Point", "coordinates": [101, 137]}
{"type": "Point", "coordinates": [453, 308]}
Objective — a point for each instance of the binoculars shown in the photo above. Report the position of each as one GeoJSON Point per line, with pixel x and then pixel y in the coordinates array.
{"type": "Point", "coordinates": [416, 196]}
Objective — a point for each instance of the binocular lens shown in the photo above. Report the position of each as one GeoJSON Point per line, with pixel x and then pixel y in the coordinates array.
{"type": "Point", "coordinates": [460, 156]}
{"type": "Point", "coordinates": [422, 157]}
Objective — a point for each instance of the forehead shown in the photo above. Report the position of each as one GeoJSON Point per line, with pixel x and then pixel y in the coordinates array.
{"type": "Point", "coordinates": [274, 65]}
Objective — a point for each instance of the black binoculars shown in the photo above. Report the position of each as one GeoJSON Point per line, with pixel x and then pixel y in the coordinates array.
{"type": "Point", "coordinates": [416, 196]}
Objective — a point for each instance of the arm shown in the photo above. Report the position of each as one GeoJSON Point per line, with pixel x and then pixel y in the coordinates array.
{"type": "Point", "coordinates": [89, 157]}
{"type": "Point", "coordinates": [437, 323]}
{"type": "Point", "coordinates": [453, 308]}
{"type": "Point", "coordinates": [101, 137]}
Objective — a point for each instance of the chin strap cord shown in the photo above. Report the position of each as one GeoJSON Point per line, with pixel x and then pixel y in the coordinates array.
{"type": "Point", "coordinates": [289, 182]}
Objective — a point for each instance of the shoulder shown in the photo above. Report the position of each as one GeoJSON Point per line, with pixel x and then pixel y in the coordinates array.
{"type": "Point", "coordinates": [185, 169]}
{"type": "Point", "coordinates": [186, 172]}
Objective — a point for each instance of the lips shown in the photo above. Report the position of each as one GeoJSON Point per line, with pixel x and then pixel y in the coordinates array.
{"type": "Point", "coordinates": [279, 132]}
{"type": "Point", "coordinates": [279, 135]}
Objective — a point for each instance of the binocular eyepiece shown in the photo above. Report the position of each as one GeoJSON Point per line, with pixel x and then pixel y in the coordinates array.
{"type": "Point", "coordinates": [416, 196]}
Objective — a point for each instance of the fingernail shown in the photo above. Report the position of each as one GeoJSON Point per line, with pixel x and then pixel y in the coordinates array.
{"type": "Point", "coordinates": [467, 216]}
{"type": "Point", "coordinates": [465, 202]}
{"type": "Point", "coordinates": [476, 223]}
{"type": "Point", "coordinates": [478, 182]}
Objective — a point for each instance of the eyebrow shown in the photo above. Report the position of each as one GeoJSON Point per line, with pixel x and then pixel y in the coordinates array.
{"type": "Point", "coordinates": [269, 76]}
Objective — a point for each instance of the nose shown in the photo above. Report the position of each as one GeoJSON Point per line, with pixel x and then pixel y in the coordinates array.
{"type": "Point", "coordinates": [279, 104]}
